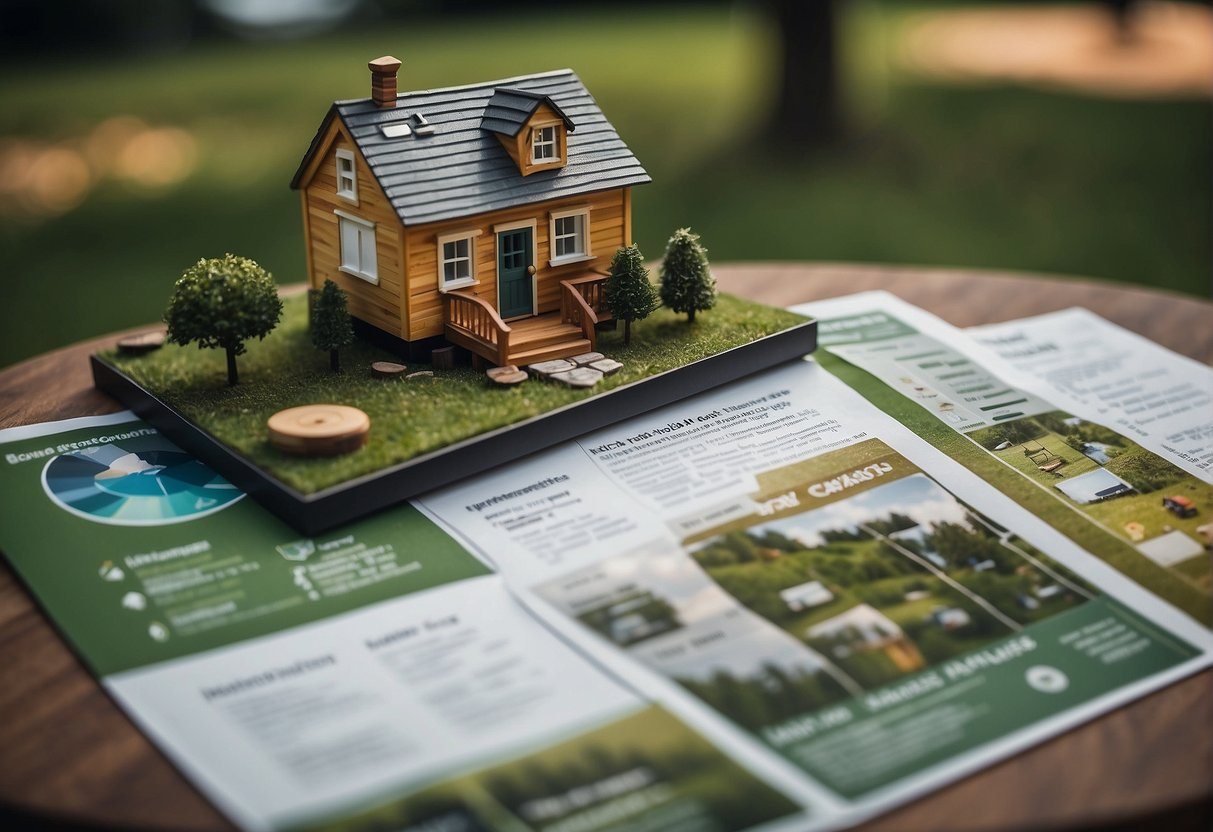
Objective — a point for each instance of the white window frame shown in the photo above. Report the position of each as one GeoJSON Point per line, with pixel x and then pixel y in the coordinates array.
{"type": "Point", "coordinates": [587, 253]}
{"type": "Point", "coordinates": [470, 235]}
{"type": "Point", "coordinates": [536, 144]}
{"type": "Point", "coordinates": [360, 259]}
{"type": "Point", "coordinates": [350, 176]}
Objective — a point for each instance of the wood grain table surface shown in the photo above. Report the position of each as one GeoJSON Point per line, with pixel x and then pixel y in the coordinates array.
{"type": "Point", "coordinates": [68, 755]}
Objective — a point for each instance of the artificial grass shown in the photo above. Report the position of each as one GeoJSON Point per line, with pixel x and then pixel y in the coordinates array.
{"type": "Point", "coordinates": [1177, 587]}
{"type": "Point", "coordinates": [409, 417]}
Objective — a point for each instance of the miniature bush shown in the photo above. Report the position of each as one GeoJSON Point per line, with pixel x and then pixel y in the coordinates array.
{"type": "Point", "coordinates": [627, 292]}
{"type": "Point", "coordinates": [687, 284]}
{"type": "Point", "coordinates": [221, 303]}
{"type": "Point", "coordinates": [331, 326]}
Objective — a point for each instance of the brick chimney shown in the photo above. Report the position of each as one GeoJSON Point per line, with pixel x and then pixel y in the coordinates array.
{"type": "Point", "coordinates": [383, 80]}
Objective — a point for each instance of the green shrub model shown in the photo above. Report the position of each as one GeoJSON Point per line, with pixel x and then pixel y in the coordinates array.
{"type": "Point", "coordinates": [221, 303]}
{"type": "Point", "coordinates": [687, 284]}
{"type": "Point", "coordinates": [627, 292]}
{"type": "Point", "coordinates": [331, 326]}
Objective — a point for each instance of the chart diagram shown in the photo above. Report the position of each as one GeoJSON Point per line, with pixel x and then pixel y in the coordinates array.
{"type": "Point", "coordinates": [155, 485]}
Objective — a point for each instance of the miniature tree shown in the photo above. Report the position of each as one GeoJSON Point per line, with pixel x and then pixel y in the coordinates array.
{"type": "Point", "coordinates": [331, 326]}
{"type": "Point", "coordinates": [687, 284]}
{"type": "Point", "coordinates": [627, 292]}
{"type": "Point", "coordinates": [221, 303]}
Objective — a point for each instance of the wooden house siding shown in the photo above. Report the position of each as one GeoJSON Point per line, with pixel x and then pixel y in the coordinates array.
{"type": "Point", "coordinates": [608, 230]}
{"type": "Point", "coordinates": [380, 305]}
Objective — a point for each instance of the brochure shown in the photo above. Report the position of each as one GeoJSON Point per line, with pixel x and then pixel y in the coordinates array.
{"type": "Point", "coordinates": [804, 578]}
{"type": "Point", "coordinates": [377, 676]}
{"type": "Point", "coordinates": [1134, 491]}
{"type": "Point", "coordinates": [1162, 399]}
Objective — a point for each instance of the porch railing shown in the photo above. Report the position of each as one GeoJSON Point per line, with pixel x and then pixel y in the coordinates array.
{"type": "Point", "coordinates": [474, 324]}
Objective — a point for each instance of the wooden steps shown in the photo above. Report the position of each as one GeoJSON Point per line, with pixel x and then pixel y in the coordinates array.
{"type": "Point", "coordinates": [560, 350]}
{"type": "Point", "coordinates": [543, 338]}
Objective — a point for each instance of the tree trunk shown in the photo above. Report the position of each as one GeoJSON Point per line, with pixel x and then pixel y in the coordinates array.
{"type": "Point", "coordinates": [691, 317]}
{"type": "Point", "coordinates": [627, 331]}
{"type": "Point", "coordinates": [806, 110]}
{"type": "Point", "coordinates": [232, 376]}
{"type": "Point", "coordinates": [334, 361]}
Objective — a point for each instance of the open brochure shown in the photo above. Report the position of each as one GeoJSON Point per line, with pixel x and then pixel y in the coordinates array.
{"type": "Point", "coordinates": [1107, 440]}
{"type": "Point", "coordinates": [797, 573]}
{"type": "Point", "coordinates": [379, 676]}
{"type": "Point", "coordinates": [770, 606]}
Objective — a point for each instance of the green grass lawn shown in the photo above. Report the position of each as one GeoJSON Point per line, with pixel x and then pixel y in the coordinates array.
{"type": "Point", "coordinates": [1075, 464]}
{"type": "Point", "coordinates": [408, 417]}
{"type": "Point", "coordinates": [982, 176]}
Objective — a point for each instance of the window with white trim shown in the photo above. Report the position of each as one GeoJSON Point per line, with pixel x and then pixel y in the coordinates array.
{"type": "Point", "coordinates": [358, 248]}
{"type": "Point", "coordinates": [570, 232]}
{"type": "Point", "coordinates": [347, 179]}
{"type": "Point", "coordinates": [544, 145]}
{"type": "Point", "coordinates": [457, 259]}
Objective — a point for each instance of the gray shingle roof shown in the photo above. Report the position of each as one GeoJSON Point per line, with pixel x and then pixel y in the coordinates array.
{"type": "Point", "coordinates": [462, 169]}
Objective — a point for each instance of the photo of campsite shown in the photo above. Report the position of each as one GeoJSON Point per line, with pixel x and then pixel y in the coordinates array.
{"type": "Point", "coordinates": [890, 581]}
{"type": "Point", "coordinates": [1162, 510]}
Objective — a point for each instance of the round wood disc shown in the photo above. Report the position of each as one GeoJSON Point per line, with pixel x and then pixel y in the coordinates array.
{"type": "Point", "coordinates": [387, 369]}
{"type": "Point", "coordinates": [319, 429]}
{"type": "Point", "coordinates": [141, 343]}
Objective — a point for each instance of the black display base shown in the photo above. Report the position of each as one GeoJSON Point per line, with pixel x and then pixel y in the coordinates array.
{"type": "Point", "coordinates": [321, 511]}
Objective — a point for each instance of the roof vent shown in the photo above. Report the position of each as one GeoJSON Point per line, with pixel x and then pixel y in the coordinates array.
{"type": "Point", "coordinates": [396, 131]}
{"type": "Point", "coordinates": [421, 126]}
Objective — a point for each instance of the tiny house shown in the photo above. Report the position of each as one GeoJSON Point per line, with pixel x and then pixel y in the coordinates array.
{"type": "Point", "coordinates": [482, 215]}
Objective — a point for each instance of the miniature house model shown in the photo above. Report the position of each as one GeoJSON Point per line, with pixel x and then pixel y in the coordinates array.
{"type": "Point", "coordinates": [482, 216]}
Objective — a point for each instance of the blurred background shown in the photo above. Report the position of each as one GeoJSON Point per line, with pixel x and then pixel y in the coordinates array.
{"type": "Point", "coordinates": [138, 136]}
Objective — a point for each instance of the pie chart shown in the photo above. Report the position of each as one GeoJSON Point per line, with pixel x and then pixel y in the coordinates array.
{"type": "Point", "coordinates": [152, 485]}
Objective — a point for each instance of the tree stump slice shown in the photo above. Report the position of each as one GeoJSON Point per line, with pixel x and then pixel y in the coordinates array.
{"type": "Point", "coordinates": [142, 343]}
{"type": "Point", "coordinates": [319, 429]}
{"type": "Point", "coordinates": [506, 376]}
{"type": "Point", "coordinates": [443, 358]}
{"type": "Point", "coordinates": [387, 369]}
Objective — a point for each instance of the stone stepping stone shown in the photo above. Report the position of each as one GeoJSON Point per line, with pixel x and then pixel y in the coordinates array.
{"type": "Point", "coordinates": [319, 429]}
{"type": "Point", "coordinates": [506, 376]}
{"type": "Point", "coordinates": [578, 377]}
{"type": "Point", "coordinates": [606, 366]}
{"type": "Point", "coordinates": [587, 358]}
{"type": "Point", "coordinates": [546, 369]}
{"type": "Point", "coordinates": [142, 343]}
{"type": "Point", "coordinates": [387, 369]}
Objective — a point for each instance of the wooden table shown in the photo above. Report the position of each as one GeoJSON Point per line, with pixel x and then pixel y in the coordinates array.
{"type": "Point", "coordinates": [68, 753]}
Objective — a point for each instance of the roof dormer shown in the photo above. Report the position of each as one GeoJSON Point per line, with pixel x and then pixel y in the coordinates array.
{"type": "Point", "coordinates": [531, 128]}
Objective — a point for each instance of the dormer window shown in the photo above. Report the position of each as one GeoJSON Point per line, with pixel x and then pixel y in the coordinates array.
{"type": "Point", "coordinates": [347, 179]}
{"type": "Point", "coordinates": [545, 145]}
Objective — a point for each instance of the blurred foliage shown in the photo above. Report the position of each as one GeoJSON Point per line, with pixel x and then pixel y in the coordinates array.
{"type": "Point", "coordinates": [994, 177]}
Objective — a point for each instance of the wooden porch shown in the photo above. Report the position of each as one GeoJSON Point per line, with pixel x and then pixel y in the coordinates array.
{"type": "Point", "coordinates": [473, 323]}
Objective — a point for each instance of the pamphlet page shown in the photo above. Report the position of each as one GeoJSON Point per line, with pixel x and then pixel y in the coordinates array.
{"type": "Point", "coordinates": [802, 577]}
{"type": "Point", "coordinates": [379, 675]}
{"type": "Point", "coordinates": [1161, 399]}
{"type": "Point", "coordinates": [1104, 481]}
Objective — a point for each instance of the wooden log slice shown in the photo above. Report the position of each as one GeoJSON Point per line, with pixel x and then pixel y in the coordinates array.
{"type": "Point", "coordinates": [141, 343]}
{"type": "Point", "coordinates": [319, 429]}
{"type": "Point", "coordinates": [387, 369]}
